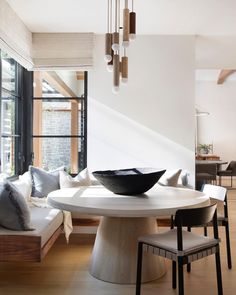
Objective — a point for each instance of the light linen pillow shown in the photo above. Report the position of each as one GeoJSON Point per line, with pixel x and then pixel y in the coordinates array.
{"type": "Point", "coordinates": [66, 181]}
{"type": "Point", "coordinates": [87, 177]}
{"type": "Point", "coordinates": [83, 177]}
{"type": "Point", "coordinates": [24, 188]}
{"type": "Point", "coordinates": [44, 182]}
{"type": "Point", "coordinates": [170, 178]}
{"type": "Point", "coordinates": [94, 181]}
{"type": "Point", "coordinates": [14, 211]}
{"type": "Point", "coordinates": [26, 177]}
{"type": "Point", "coordinates": [3, 176]}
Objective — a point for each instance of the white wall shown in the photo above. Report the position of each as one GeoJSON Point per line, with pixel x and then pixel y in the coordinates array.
{"type": "Point", "coordinates": [216, 52]}
{"type": "Point", "coordinates": [151, 121]}
{"type": "Point", "coordinates": [219, 126]}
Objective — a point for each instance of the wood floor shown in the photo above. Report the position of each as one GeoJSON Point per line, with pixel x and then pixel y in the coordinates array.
{"type": "Point", "coordinates": [64, 271]}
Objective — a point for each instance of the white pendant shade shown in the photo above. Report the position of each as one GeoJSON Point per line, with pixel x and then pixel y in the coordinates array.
{"type": "Point", "coordinates": [107, 58]}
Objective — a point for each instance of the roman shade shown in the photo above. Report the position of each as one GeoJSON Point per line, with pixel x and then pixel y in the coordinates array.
{"type": "Point", "coordinates": [53, 51]}
{"type": "Point", "coordinates": [15, 38]}
{"type": "Point", "coordinates": [43, 51]}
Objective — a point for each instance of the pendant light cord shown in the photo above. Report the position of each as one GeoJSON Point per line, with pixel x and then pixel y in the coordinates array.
{"type": "Point", "coordinates": [119, 15]}
{"type": "Point", "coordinates": [110, 16]}
{"type": "Point", "coordinates": [116, 16]}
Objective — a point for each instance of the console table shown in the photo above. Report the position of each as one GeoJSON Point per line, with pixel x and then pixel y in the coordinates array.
{"type": "Point", "coordinates": [208, 157]}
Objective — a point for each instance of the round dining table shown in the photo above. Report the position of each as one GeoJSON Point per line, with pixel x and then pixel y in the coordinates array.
{"type": "Point", "coordinates": [123, 219]}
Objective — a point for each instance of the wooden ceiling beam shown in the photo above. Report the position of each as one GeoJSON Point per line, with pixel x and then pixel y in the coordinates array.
{"type": "Point", "coordinates": [224, 74]}
{"type": "Point", "coordinates": [57, 83]}
{"type": "Point", "coordinates": [80, 75]}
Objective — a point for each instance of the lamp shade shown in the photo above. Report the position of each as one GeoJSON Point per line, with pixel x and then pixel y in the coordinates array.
{"type": "Point", "coordinates": [124, 69]}
{"type": "Point", "coordinates": [116, 71]}
{"type": "Point", "coordinates": [126, 30]}
{"type": "Point", "coordinates": [132, 25]}
{"type": "Point", "coordinates": [116, 41]}
{"type": "Point", "coordinates": [108, 43]}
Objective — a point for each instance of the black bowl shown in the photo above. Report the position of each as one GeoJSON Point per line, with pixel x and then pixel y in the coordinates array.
{"type": "Point", "coordinates": [131, 181]}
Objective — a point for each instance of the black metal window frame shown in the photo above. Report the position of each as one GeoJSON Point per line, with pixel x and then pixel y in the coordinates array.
{"type": "Point", "coordinates": [16, 96]}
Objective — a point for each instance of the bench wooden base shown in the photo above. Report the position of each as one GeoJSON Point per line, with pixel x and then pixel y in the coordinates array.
{"type": "Point", "coordinates": [25, 248]}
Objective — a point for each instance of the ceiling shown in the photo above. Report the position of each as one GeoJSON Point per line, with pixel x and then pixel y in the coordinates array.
{"type": "Point", "coordinates": [202, 17]}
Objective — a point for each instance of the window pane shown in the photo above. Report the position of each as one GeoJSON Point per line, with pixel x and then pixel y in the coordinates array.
{"type": "Point", "coordinates": [58, 118]}
{"type": "Point", "coordinates": [7, 115]}
{"type": "Point", "coordinates": [8, 155]}
{"type": "Point", "coordinates": [55, 152]}
{"type": "Point", "coordinates": [8, 143]}
{"type": "Point", "coordinates": [8, 73]}
{"type": "Point", "coordinates": [10, 121]}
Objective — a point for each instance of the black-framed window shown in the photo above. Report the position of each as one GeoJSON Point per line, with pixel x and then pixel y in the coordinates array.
{"type": "Point", "coordinates": [10, 115]}
{"type": "Point", "coordinates": [60, 129]}
{"type": "Point", "coordinates": [18, 138]}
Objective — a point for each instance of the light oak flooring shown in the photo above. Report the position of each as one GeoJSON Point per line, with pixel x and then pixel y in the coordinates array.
{"type": "Point", "coordinates": [64, 271]}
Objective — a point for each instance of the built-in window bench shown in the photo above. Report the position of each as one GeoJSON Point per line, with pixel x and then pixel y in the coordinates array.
{"type": "Point", "coordinates": [32, 245]}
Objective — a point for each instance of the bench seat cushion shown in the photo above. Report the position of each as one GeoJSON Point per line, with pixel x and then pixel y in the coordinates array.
{"type": "Point", "coordinates": [45, 221]}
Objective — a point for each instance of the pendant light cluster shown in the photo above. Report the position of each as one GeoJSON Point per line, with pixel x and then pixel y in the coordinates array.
{"type": "Point", "coordinates": [115, 45]}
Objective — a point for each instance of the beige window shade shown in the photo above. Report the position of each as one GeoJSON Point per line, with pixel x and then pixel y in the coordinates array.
{"type": "Point", "coordinates": [43, 51]}
{"type": "Point", "coordinates": [15, 38]}
{"type": "Point", "coordinates": [52, 51]}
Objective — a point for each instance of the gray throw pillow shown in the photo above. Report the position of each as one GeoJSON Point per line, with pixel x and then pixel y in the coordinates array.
{"type": "Point", "coordinates": [44, 182]}
{"type": "Point", "coordinates": [14, 211]}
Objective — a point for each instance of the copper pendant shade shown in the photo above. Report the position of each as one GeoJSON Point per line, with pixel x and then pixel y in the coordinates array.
{"type": "Point", "coordinates": [132, 25]}
{"type": "Point", "coordinates": [114, 42]}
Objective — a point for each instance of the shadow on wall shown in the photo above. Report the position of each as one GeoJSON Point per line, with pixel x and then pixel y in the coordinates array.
{"type": "Point", "coordinates": [115, 141]}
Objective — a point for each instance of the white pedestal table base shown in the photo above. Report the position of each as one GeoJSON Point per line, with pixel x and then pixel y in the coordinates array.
{"type": "Point", "coordinates": [114, 257]}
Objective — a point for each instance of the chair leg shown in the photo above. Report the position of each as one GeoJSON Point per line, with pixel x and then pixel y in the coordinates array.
{"type": "Point", "coordinates": [189, 267]}
{"type": "Point", "coordinates": [174, 274]}
{"type": "Point", "coordinates": [218, 274]}
{"type": "Point", "coordinates": [228, 246]}
{"type": "Point", "coordinates": [180, 276]}
{"type": "Point", "coordinates": [205, 231]}
{"type": "Point", "coordinates": [231, 181]}
{"type": "Point", "coordinates": [139, 268]}
{"type": "Point", "coordinates": [189, 264]}
{"type": "Point", "coordinates": [220, 180]}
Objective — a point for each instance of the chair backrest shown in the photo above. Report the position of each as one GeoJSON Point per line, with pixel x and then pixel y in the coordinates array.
{"type": "Point", "coordinates": [232, 166]}
{"type": "Point", "coordinates": [195, 216]}
{"type": "Point", "coordinates": [215, 191]}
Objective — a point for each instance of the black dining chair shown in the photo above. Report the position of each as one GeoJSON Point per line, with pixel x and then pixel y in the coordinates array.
{"type": "Point", "coordinates": [219, 194]}
{"type": "Point", "coordinates": [205, 173]}
{"type": "Point", "coordinates": [230, 171]}
{"type": "Point", "coordinates": [182, 246]}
